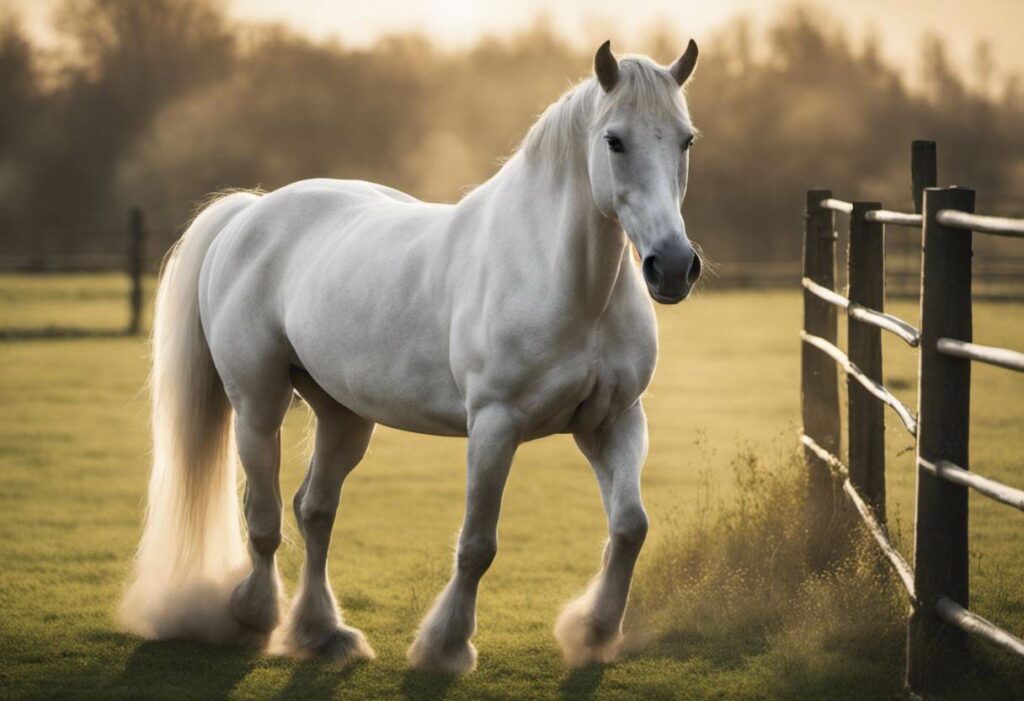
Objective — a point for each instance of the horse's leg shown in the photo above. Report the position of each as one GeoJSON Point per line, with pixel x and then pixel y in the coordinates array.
{"type": "Point", "coordinates": [590, 628]}
{"type": "Point", "coordinates": [259, 414]}
{"type": "Point", "coordinates": [314, 624]}
{"type": "Point", "coordinates": [443, 640]}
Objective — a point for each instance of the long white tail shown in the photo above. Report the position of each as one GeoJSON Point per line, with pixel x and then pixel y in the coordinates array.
{"type": "Point", "coordinates": [191, 553]}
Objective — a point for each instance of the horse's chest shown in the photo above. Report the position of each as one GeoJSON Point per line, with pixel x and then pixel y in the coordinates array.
{"type": "Point", "coordinates": [591, 387]}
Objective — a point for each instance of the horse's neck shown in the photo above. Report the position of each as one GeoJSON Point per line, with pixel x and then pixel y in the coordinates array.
{"type": "Point", "coordinates": [555, 213]}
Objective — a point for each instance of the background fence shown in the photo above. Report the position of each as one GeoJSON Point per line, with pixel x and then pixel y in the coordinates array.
{"type": "Point", "coordinates": [938, 583]}
{"type": "Point", "coordinates": [997, 275]}
{"type": "Point", "coordinates": [136, 263]}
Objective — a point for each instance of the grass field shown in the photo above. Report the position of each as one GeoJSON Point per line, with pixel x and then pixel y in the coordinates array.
{"type": "Point", "coordinates": [73, 466]}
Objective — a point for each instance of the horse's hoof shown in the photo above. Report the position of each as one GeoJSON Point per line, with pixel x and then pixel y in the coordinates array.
{"type": "Point", "coordinates": [343, 645]}
{"type": "Point", "coordinates": [446, 659]}
{"type": "Point", "coordinates": [255, 605]}
{"type": "Point", "coordinates": [313, 628]}
{"type": "Point", "coordinates": [583, 639]}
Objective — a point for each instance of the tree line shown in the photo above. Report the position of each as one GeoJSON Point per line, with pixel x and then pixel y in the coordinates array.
{"type": "Point", "coordinates": [155, 104]}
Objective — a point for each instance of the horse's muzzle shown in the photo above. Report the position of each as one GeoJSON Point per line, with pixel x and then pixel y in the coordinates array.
{"type": "Point", "coordinates": [671, 274]}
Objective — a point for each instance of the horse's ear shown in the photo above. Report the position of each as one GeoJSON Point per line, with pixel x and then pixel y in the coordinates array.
{"type": "Point", "coordinates": [682, 69]}
{"type": "Point", "coordinates": [606, 67]}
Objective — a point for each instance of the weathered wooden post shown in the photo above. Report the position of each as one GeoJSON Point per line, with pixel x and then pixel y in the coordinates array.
{"type": "Point", "coordinates": [37, 237]}
{"type": "Point", "coordinates": [136, 266]}
{"type": "Point", "coordinates": [819, 386]}
{"type": "Point", "coordinates": [866, 415]}
{"type": "Point", "coordinates": [944, 395]}
{"type": "Point", "coordinates": [924, 170]}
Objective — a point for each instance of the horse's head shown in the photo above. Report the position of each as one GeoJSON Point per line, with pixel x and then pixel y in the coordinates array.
{"type": "Point", "coordinates": [638, 158]}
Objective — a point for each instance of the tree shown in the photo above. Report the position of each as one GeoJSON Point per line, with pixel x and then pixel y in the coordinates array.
{"type": "Point", "coordinates": [125, 61]}
{"type": "Point", "coordinates": [18, 104]}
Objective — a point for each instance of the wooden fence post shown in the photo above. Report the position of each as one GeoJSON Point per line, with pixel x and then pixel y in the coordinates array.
{"type": "Point", "coordinates": [866, 415]}
{"type": "Point", "coordinates": [940, 551]}
{"type": "Point", "coordinates": [136, 266]}
{"type": "Point", "coordinates": [819, 385]}
{"type": "Point", "coordinates": [924, 170]}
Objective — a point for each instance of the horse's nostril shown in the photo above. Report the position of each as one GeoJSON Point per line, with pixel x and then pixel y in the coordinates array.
{"type": "Point", "coordinates": [651, 272]}
{"type": "Point", "coordinates": [694, 272]}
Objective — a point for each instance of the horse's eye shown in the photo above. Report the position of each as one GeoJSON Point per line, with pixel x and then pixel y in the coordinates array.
{"type": "Point", "coordinates": [688, 143]}
{"type": "Point", "coordinates": [614, 143]}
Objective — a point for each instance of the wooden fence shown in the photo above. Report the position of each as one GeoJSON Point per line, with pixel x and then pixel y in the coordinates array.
{"type": "Point", "coordinates": [134, 263]}
{"type": "Point", "coordinates": [938, 584]}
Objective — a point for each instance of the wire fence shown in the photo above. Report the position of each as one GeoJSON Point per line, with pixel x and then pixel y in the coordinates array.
{"type": "Point", "coordinates": [937, 585]}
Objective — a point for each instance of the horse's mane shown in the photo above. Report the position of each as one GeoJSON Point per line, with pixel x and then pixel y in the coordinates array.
{"type": "Point", "coordinates": [569, 121]}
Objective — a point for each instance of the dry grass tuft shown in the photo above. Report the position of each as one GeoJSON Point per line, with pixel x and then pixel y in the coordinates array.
{"type": "Point", "coordinates": [742, 589]}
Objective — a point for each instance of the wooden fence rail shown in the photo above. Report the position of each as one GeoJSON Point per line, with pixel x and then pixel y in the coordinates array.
{"type": "Point", "coordinates": [938, 584]}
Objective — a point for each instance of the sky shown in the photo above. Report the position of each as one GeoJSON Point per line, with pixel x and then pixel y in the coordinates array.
{"type": "Point", "coordinates": [900, 24]}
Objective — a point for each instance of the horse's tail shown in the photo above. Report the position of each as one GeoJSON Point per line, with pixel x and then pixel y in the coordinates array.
{"type": "Point", "coordinates": [191, 553]}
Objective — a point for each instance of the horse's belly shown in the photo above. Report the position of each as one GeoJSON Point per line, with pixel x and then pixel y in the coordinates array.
{"type": "Point", "coordinates": [402, 380]}
{"type": "Point", "coordinates": [424, 400]}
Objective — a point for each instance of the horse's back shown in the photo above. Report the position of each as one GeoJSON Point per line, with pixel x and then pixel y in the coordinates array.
{"type": "Point", "coordinates": [355, 190]}
{"type": "Point", "coordinates": [346, 279]}
{"type": "Point", "coordinates": [280, 237]}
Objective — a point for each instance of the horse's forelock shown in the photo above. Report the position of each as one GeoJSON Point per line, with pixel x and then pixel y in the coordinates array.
{"type": "Point", "coordinates": [646, 86]}
{"type": "Point", "coordinates": [585, 107]}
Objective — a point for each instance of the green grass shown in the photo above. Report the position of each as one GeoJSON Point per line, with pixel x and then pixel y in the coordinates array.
{"type": "Point", "coordinates": [73, 466]}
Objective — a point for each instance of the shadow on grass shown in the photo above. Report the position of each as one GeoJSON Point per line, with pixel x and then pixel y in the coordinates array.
{"type": "Point", "coordinates": [986, 673]}
{"type": "Point", "coordinates": [191, 668]}
{"type": "Point", "coordinates": [581, 683]}
{"type": "Point", "coordinates": [426, 686]}
{"type": "Point", "coordinates": [315, 679]}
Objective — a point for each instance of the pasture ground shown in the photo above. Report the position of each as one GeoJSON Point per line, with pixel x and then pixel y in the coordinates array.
{"type": "Point", "coordinates": [73, 468]}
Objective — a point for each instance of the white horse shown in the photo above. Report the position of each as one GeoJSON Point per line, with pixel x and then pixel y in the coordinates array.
{"type": "Point", "coordinates": [516, 313]}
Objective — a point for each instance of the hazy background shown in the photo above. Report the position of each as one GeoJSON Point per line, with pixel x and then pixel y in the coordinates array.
{"type": "Point", "coordinates": [108, 104]}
